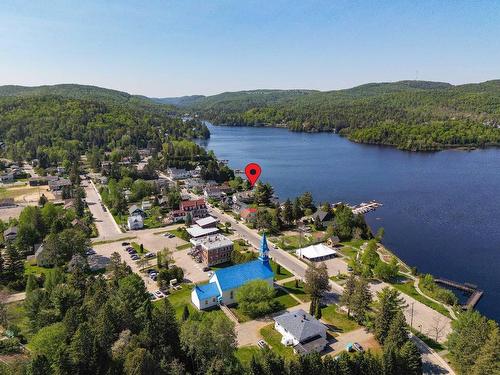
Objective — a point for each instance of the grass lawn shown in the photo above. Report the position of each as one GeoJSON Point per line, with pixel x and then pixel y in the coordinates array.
{"type": "Point", "coordinates": [354, 243]}
{"type": "Point", "coordinates": [433, 344]}
{"type": "Point", "coordinates": [339, 320]}
{"type": "Point", "coordinates": [16, 315]}
{"type": "Point", "coordinates": [299, 292]}
{"type": "Point", "coordinates": [349, 252]}
{"type": "Point", "coordinates": [180, 233]}
{"type": "Point", "coordinates": [286, 299]}
{"type": "Point", "coordinates": [273, 338]}
{"type": "Point", "coordinates": [30, 269]}
{"type": "Point", "coordinates": [240, 315]}
{"type": "Point", "coordinates": [295, 242]}
{"type": "Point", "coordinates": [17, 191]}
{"type": "Point", "coordinates": [184, 247]}
{"type": "Point", "coordinates": [409, 289]}
{"type": "Point", "coordinates": [245, 353]}
{"type": "Point", "coordinates": [152, 222]}
{"type": "Point", "coordinates": [179, 298]}
{"type": "Point", "coordinates": [284, 273]}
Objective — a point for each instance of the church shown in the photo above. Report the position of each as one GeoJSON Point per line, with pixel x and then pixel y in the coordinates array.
{"type": "Point", "coordinates": [222, 286]}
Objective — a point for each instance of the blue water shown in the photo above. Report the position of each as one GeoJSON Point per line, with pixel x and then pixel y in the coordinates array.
{"type": "Point", "coordinates": [441, 210]}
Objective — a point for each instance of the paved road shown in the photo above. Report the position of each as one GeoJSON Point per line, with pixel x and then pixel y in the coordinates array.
{"type": "Point", "coordinates": [424, 318]}
{"type": "Point", "coordinates": [433, 364]}
{"type": "Point", "coordinates": [106, 225]}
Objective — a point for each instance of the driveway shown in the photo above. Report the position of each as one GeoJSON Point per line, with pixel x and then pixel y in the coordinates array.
{"type": "Point", "coordinates": [361, 336]}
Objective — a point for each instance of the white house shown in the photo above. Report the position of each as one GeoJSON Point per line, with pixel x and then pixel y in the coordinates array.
{"type": "Point", "coordinates": [302, 331]}
{"type": "Point", "coordinates": [178, 174]}
{"type": "Point", "coordinates": [222, 286]}
{"type": "Point", "coordinates": [135, 222]}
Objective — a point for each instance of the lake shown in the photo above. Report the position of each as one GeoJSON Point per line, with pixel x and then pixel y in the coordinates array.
{"type": "Point", "coordinates": [440, 210]}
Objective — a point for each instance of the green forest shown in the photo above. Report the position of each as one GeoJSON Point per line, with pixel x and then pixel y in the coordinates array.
{"type": "Point", "coordinates": [410, 115]}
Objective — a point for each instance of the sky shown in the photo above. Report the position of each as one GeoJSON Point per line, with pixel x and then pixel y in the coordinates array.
{"type": "Point", "coordinates": [173, 48]}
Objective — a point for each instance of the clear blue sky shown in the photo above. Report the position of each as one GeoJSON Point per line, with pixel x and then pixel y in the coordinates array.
{"type": "Point", "coordinates": [170, 48]}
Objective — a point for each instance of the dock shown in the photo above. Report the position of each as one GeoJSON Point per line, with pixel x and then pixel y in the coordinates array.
{"type": "Point", "coordinates": [364, 207]}
{"type": "Point", "coordinates": [475, 292]}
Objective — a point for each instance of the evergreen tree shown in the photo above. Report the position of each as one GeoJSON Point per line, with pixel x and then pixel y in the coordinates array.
{"type": "Point", "coordinates": [39, 365]}
{"type": "Point", "coordinates": [42, 200]}
{"type": "Point", "coordinates": [389, 303]}
{"type": "Point", "coordinates": [361, 299]}
{"type": "Point", "coordinates": [79, 203]}
{"type": "Point", "coordinates": [185, 313]}
{"type": "Point", "coordinates": [411, 359]}
{"type": "Point", "coordinates": [287, 213]}
{"type": "Point", "coordinates": [81, 349]}
{"type": "Point", "coordinates": [488, 360]}
{"type": "Point", "coordinates": [297, 209]}
{"type": "Point", "coordinates": [139, 362]}
{"type": "Point", "coordinates": [398, 332]}
{"type": "Point", "coordinates": [31, 283]}
{"type": "Point", "coordinates": [348, 293]}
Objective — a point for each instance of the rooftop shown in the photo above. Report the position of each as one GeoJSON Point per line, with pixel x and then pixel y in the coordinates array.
{"type": "Point", "coordinates": [301, 325]}
{"type": "Point", "coordinates": [315, 251]}
{"type": "Point", "coordinates": [214, 241]}
{"type": "Point", "coordinates": [206, 221]}
{"type": "Point", "coordinates": [206, 291]}
{"type": "Point", "coordinates": [238, 275]}
{"type": "Point", "coordinates": [197, 231]}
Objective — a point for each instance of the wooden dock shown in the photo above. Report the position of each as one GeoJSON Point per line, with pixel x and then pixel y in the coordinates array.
{"type": "Point", "coordinates": [475, 293]}
{"type": "Point", "coordinates": [364, 208]}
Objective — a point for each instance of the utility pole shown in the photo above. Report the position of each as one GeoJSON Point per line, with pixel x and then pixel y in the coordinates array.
{"type": "Point", "coordinates": [411, 319]}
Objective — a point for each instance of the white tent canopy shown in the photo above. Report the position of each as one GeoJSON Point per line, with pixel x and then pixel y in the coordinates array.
{"type": "Point", "coordinates": [316, 252]}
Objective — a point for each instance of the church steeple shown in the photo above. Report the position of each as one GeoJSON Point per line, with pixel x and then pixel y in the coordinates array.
{"type": "Point", "coordinates": [264, 250]}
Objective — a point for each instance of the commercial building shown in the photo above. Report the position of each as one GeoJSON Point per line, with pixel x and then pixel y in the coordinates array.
{"type": "Point", "coordinates": [214, 249]}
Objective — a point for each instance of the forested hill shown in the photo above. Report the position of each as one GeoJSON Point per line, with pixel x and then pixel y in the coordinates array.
{"type": "Point", "coordinates": [57, 128]}
{"type": "Point", "coordinates": [411, 115]}
{"type": "Point", "coordinates": [75, 91]}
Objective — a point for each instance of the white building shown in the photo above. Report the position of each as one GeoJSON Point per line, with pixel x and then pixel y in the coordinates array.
{"type": "Point", "coordinates": [196, 231]}
{"type": "Point", "coordinates": [178, 174]}
{"type": "Point", "coordinates": [316, 253]}
{"type": "Point", "coordinates": [135, 222]}
{"type": "Point", "coordinates": [302, 331]}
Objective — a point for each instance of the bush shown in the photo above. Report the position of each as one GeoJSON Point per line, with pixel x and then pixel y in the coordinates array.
{"type": "Point", "coordinates": [10, 346]}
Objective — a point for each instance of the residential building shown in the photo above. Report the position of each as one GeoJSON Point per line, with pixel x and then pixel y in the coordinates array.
{"type": "Point", "coordinates": [146, 205]}
{"type": "Point", "coordinates": [59, 184]}
{"type": "Point", "coordinates": [222, 286]}
{"type": "Point", "coordinates": [216, 192]}
{"type": "Point", "coordinates": [135, 222]}
{"type": "Point", "coordinates": [316, 253]}
{"type": "Point", "coordinates": [323, 216]}
{"type": "Point", "coordinates": [7, 177]}
{"type": "Point", "coordinates": [248, 214]}
{"type": "Point", "coordinates": [7, 202]}
{"type": "Point", "coordinates": [333, 241]}
{"type": "Point", "coordinates": [134, 210]}
{"type": "Point", "coordinates": [302, 331]}
{"type": "Point", "coordinates": [214, 249]}
{"type": "Point", "coordinates": [197, 208]}
{"type": "Point", "coordinates": [178, 174]}
{"type": "Point", "coordinates": [10, 234]}
{"type": "Point", "coordinates": [243, 197]}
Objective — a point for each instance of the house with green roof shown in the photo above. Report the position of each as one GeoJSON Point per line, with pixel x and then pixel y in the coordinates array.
{"type": "Point", "coordinates": [222, 286]}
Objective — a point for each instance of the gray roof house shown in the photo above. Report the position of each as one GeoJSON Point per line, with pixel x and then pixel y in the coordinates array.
{"type": "Point", "coordinates": [10, 234]}
{"type": "Point", "coordinates": [302, 331]}
{"type": "Point", "coordinates": [323, 216]}
{"type": "Point", "coordinates": [134, 210]}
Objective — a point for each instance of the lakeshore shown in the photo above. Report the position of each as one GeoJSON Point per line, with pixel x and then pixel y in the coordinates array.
{"type": "Point", "coordinates": [431, 218]}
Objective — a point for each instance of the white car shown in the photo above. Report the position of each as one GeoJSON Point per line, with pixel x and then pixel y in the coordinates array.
{"type": "Point", "coordinates": [159, 294]}
{"type": "Point", "coordinates": [261, 344]}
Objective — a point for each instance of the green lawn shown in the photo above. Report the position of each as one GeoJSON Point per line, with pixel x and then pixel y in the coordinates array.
{"type": "Point", "coordinates": [284, 273]}
{"type": "Point", "coordinates": [339, 320]}
{"type": "Point", "coordinates": [295, 242]}
{"type": "Point", "coordinates": [16, 315]}
{"type": "Point", "coordinates": [30, 269]}
{"type": "Point", "coordinates": [245, 353]}
{"type": "Point", "coordinates": [354, 243]}
{"type": "Point", "coordinates": [285, 299]}
{"type": "Point", "coordinates": [180, 298]}
{"type": "Point", "coordinates": [409, 289]}
{"type": "Point", "coordinates": [180, 233]}
{"type": "Point", "coordinates": [273, 338]}
{"type": "Point", "coordinates": [349, 252]}
{"type": "Point", "coordinates": [299, 292]}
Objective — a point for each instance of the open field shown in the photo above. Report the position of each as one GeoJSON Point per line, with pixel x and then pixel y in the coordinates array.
{"type": "Point", "coordinates": [339, 321]}
{"type": "Point", "coordinates": [273, 338]}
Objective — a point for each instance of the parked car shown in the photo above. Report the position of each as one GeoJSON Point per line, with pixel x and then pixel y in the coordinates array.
{"type": "Point", "coordinates": [356, 346]}
{"type": "Point", "coordinates": [261, 344]}
{"type": "Point", "coordinates": [153, 276]}
{"type": "Point", "coordinates": [205, 269]}
{"type": "Point", "coordinates": [152, 296]}
{"type": "Point", "coordinates": [149, 255]}
{"type": "Point", "coordinates": [349, 268]}
{"type": "Point", "coordinates": [159, 294]}
{"type": "Point", "coordinates": [90, 252]}
{"type": "Point", "coordinates": [130, 248]}
{"type": "Point", "coordinates": [125, 243]}
{"type": "Point", "coordinates": [135, 257]}
{"type": "Point", "coordinates": [152, 270]}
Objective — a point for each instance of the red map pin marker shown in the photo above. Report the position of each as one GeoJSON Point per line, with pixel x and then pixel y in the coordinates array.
{"type": "Point", "coordinates": [252, 171]}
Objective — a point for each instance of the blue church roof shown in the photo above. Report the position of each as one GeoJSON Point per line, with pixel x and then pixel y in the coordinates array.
{"type": "Point", "coordinates": [207, 291]}
{"type": "Point", "coordinates": [236, 276]}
